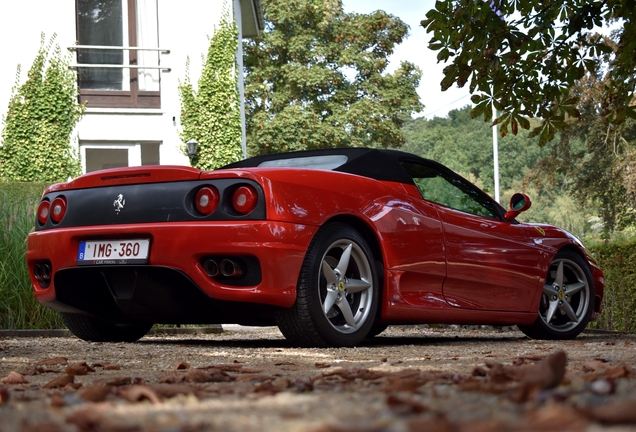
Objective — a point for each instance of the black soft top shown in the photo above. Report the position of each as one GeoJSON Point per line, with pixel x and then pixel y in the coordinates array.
{"type": "Point", "coordinates": [378, 164]}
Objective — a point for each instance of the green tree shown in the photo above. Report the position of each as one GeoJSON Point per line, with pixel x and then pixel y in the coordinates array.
{"type": "Point", "coordinates": [210, 114]}
{"type": "Point", "coordinates": [42, 113]}
{"type": "Point", "coordinates": [464, 144]}
{"type": "Point", "coordinates": [316, 78]}
{"type": "Point", "coordinates": [524, 56]}
{"type": "Point", "coordinates": [598, 159]}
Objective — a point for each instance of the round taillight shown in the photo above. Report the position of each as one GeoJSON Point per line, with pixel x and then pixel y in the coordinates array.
{"type": "Point", "coordinates": [206, 200]}
{"type": "Point", "coordinates": [43, 211]}
{"type": "Point", "coordinates": [58, 209]}
{"type": "Point", "coordinates": [244, 199]}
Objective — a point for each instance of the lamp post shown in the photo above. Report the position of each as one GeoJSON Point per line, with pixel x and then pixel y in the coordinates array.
{"type": "Point", "coordinates": [192, 148]}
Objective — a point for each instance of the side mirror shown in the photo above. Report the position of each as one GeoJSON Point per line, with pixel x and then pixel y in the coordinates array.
{"type": "Point", "coordinates": [518, 203]}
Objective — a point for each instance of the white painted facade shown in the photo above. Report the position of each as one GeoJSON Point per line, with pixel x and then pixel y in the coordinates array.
{"type": "Point", "coordinates": [183, 28]}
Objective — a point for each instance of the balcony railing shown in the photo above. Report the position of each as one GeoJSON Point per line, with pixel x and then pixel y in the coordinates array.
{"type": "Point", "coordinates": [120, 81]}
{"type": "Point", "coordinates": [117, 66]}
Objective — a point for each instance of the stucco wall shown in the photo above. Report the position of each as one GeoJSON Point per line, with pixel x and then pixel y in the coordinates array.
{"type": "Point", "coordinates": [184, 27]}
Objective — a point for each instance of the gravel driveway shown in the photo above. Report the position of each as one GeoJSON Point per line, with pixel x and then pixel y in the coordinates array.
{"type": "Point", "coordinates": [410, 378]}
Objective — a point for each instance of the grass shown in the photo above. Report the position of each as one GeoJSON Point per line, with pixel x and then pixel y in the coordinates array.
{"type": "Point", "coordinates": [18, 307]}
{"type": "Point", "coordinates": [20, 310]}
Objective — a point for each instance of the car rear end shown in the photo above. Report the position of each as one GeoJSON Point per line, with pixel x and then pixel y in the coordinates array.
{"type": "Point", "coordinates": [163, 244]}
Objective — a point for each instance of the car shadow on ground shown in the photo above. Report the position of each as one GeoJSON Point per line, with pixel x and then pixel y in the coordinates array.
{"type": "Point", "coordinates": [273, 339]}
{"type": "Point", "coordinates": [377, 342]}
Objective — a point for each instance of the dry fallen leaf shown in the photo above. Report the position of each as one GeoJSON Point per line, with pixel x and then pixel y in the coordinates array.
{"type": "Point", "coordinates": [111, 367]}
{"type": "Point", "coordinates": [138, 393]}
{"type": "Point", "coordinates": [225, 367]}
{"type": "Point", "coordinates": [14, 378]}
{"type": "Point", "coordinates": [198, 376]}
{"type": "Point", "coordinates": [95, 393]}
{"type": "Point", "coordinates": [620, 412]}
{"type": "Point", "coordinates": [280, 383]}
{"type": "Point", "coordinates": [401, 406]}
{"type": "Point", "coordinates": [548, 373]}
{"type": "Point", "coordinates": [79, 368]}
{"type": "Point", "coordinates": [53, 361]}
{"type": "Point", "coordinates": [57, 400]}
{"type": "Point", "coordinates": [182, 366]}
{"type": "Point", "coordinates": [60, 381]}
{"type": "Point", "coordinates": [4, 395]}
{"type": "Point", "coordinates": [553, 417]}
{"type": "Point", "coordinates": [92, 418]}
{"type": "Point", "coordinates": [47, 426]}
{"type": "Point", "coordinates": [115, 381]}
{"type": "Point", "coordinates": [171, 390]}
{"type": "Point", "coordinates": [171, 378]}
{"type": "Point", "coordinates": [254, 377]}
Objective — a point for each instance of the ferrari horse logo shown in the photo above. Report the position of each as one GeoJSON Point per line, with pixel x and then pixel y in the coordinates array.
{"type": "Point", "coordinates": [119, 203]}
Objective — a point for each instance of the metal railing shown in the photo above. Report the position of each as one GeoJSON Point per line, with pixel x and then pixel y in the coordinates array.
{"type": "Point", "coordinates": [117, 66]}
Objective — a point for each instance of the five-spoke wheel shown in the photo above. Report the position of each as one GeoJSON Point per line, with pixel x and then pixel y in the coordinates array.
{"type": "Point", "coordinates": [337, 292]}
{"type": "Point", "coordinates": [567, 300]}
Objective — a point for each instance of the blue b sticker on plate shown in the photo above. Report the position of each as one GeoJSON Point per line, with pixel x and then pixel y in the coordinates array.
{"type": "Point", "coordinates": [80, 252]}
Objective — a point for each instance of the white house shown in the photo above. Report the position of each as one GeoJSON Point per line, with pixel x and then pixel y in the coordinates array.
{"type": "Point", "coordinates": [132, 115]}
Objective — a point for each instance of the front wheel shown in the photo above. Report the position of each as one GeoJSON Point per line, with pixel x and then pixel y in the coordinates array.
{"type": "Point", "coordinates": [337, 293]}
{"type": "Point", "coordinates": [567, 301]}
{"type": "Point", "coordinates": [93, 330]}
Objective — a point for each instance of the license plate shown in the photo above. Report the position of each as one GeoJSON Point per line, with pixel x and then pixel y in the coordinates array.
{"type": "Point", "coordinates": [109, 252]}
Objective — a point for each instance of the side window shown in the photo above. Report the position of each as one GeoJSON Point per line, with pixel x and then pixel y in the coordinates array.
{"type": "Point", "coordinates": [444, 188]}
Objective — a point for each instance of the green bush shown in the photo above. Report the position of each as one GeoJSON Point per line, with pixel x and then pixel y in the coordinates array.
{"type": "Point", "coordinates": [618, 261]}
{"type": "Point", "coordinates": [18, 307]}
{"type": "Point", "coordinates": [211, 113]}
{"type": "Point", "coordinates": [42, 113]}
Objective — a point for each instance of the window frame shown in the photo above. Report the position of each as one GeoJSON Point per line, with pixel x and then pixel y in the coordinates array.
{"type": "Point", "coordinates": [495, 208]}
{"type": "Point", "coordinates": [133, 98]}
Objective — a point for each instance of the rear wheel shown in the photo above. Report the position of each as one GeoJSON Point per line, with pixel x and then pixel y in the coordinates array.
{"type": "Point", "coordinates": [376, 329]}
{"type": "Point", "coordinates": [337, 293]}
{"type": "Point", "coordinates": [94, 330]}
{"type": "Point", "coordinates": [567, 301]}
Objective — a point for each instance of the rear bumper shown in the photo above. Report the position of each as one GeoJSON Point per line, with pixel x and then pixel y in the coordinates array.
{"type": "Point", "coordinates": [180, 247]}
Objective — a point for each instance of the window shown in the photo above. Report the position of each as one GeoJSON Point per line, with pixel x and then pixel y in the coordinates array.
{"type": "Point", "coordinates": [121, 82]}
{"type": "Point", "coordinates": [103, 155]}
{"type": "Point", "coordinates": [445, 188]}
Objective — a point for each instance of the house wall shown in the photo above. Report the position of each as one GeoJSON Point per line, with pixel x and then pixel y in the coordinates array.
{"type": "Point", "coordinates": [184, 27]}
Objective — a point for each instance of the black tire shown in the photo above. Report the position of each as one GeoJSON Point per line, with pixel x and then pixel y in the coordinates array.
{"type": "Point", "coordinates": [566, 305]}
{"type": "Point", "coordinates": [376, 329]}
{"type": "Point", "coordinates": [352, 287]}
{"type": "Point", "coordinates": [93, 330]}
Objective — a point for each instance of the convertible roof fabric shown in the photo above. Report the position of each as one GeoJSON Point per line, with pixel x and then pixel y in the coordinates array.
{"type": "Point", "coordinates": [377, 164]}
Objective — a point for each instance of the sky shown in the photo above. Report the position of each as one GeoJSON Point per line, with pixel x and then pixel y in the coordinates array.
{"type": "Point", "coordinates": [414, 49]}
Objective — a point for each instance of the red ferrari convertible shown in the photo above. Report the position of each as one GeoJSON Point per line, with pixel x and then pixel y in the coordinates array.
{"type": "Point", "coordinates": [332, 246]}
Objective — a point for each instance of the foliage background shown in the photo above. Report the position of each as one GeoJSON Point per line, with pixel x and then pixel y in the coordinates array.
{"type": "Point", "coordinates": [210, 114]}
{"type": "Point", "coordinates": [316, 78]}
{"type": "Point", "coordinates": [18, 307]}
{"type": "Point", "coordinates": [40, 119]}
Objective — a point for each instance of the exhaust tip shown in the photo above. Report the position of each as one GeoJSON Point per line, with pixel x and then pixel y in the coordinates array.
{"type": "Point", "coordinates": [230, 269]}
{"type": "Point", "coordinates": [211, 268]}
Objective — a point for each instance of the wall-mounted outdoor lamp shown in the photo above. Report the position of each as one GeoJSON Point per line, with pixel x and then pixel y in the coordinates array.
{"type": "Point", "coordinates": [192, 148]}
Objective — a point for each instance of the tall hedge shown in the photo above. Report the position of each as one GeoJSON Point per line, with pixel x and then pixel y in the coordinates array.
{"type": "Point", "coordinates": [42, 113]}
{"type": "Point", "coordinates": [210, 114]}
{"type": "Point", "coordinates": [618, 262]}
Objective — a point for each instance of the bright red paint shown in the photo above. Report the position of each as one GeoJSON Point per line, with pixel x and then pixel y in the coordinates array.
{"type": "Point", "coordinates": [440, 265]}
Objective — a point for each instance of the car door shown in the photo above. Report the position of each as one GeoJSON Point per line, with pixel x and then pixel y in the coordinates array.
{"type": "Point", "coordinates": [491, 263]}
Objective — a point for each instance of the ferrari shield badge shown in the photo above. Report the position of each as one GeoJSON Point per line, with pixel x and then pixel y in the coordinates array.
{"type": "Point", "coordinates": [540, 230]}
{"type": "Point", "coordinates": [119, 203]}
